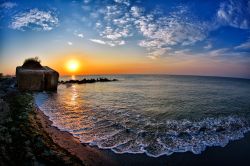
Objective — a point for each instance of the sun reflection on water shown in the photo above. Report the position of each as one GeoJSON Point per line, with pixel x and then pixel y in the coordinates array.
{"type": "Point", "coordinates": [74, 95]}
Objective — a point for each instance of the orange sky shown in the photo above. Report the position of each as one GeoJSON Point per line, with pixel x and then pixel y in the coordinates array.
{"type": "Point", "coordinates": [89, 64]}
{"type": "Point", "coordinates": [114, 63]}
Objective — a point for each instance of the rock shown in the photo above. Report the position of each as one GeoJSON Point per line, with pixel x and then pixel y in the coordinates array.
{"type": "Point", "coordinates": [27, 142]}
{"type": "Point", "coordinates": [39, 79]}
{"type": "Point", "coordinates": [4, 111]}
{"type": "Point", "coordinates": [29, 155]}
{"type": "Point", "coordinates": [2, 93]}
{"type": "Point", "coordinates": [85, 81]}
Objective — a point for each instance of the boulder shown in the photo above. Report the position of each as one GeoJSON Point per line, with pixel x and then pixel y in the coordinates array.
{"type": "Point", "coordinates": [36, 79]}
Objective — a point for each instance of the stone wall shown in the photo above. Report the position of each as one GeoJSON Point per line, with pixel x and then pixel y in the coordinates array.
{"type": "Point", "coordinates": [37, 79]}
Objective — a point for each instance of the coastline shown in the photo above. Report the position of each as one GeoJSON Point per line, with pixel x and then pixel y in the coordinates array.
{"type": "Point", "coordinates": [22, 137]}
{"type": "Point", "coordinates": [88, 155]}
{"type": "Point", "coordinates": [235, 152]}
{"type": "Point", "coordinates": [27, 136]}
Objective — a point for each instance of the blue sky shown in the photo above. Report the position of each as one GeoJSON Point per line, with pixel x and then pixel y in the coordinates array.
{"type": "Point", "coordinates": [199, 33]}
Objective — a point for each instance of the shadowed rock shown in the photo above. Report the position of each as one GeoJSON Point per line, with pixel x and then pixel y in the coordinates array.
{"type": "Point", "coordinates": [84, 81]}
{"type": "Point", "coordinates": [36, 79]}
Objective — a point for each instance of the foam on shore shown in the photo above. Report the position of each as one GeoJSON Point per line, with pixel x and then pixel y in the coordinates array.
{"type": "Point", "coordinates": [140, 134]}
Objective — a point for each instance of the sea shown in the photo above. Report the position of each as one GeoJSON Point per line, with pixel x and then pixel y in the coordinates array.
{"type": "Point", "coordinates": [152, 114]}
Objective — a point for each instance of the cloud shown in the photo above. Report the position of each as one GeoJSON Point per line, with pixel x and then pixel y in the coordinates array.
{"type": "Point", "coordinates": [70, 43]}
{"type": "Point", "coordinates": [115, 23]}
{"type": "Point", "coordinates": [226, 54]}
{"type": "Point", "coordinates": [235, 13]}
{"type": "Point", "coordinates": [166, 31]}
{"type": "Point", "coordinates": [8, 5]}
{"type": "Point", "coordinates": [182, 52]}
{"type": "Point", "coordinates": [160, 32]}
{"type": "Point", "coordinates": [98, 41]}
{"type": "Point", "coordinates": [114, 34]}
{"type": "Point", "coordinates": [86, 8]}
{"type": "Point", "coordinates": [109, 43]}
{"type": "Point", "coordinates": [35, 20]}
{"type": "Point", "coordinates": [243, 46]}
{"type": "Point", "coordinates": [86, 1]}
{"type": "Point", "coordinates": [157, 52]}
{"type": "Point", "coordinates": [208, 46]}
{"type": "Point", "coordinates": [136, 11]}
{"type": "Point", "coordinates": [218, 52]}
{"type": "Point", "coordinates": [80, 35]}
{"type": "Point", "coordinates": [126, 2]}
{"type": "Point", "coordinates": [115, 43]}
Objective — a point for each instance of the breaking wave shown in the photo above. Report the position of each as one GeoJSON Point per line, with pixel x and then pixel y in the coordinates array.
{"type": "Point", "coordinates": [171, 136]}
{"type": "Point", "coordinates": [140, 135]}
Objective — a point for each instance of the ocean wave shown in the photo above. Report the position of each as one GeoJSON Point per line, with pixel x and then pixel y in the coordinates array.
{"type": "Point", "coordinates": [128, 117]}
{"type": "Point", "coordinates": [176, 136]}
{"type": "Point", "coordinates": [157, 139]}
{"type": "Point", "coordinates": [125, 131]}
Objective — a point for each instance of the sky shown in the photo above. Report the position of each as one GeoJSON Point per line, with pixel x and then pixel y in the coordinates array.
{"type": "Point", "coordinates": [184, 37]}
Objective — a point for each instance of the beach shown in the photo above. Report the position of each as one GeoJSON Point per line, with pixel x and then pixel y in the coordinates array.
{"type": "Point", "coordinates": [88, 155]}
{"type": "Point", "coordinates": [125, 82]}
{"type": "Point", "coordinates": [28, 132]}
{"type": "Point", "coordinates": [235, 153]}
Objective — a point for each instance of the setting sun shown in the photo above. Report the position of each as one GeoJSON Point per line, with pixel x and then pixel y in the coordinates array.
{"type": "Point", "coordinates": [73, 65]}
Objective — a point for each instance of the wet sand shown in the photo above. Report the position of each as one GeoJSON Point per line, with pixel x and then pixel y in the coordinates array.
{"type": "Point", "coordinates": [235, 153]}
{"type": "Point", "coordinates": [89, 155]}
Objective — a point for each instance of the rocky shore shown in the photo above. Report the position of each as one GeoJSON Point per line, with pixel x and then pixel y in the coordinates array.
{"type": "Point", "coordinates": [22, 138]}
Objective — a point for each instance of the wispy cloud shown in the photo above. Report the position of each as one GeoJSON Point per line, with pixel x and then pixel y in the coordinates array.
{"type": "Point", "coordinates": [98, 41]}
{"type": "Point", "coordinates": [70, 43]}
{"type": "Point", "coordinates": [161, 32]}
{"type": "Point", "coordinates": [158, 52]}
{"type": "Point", "coordinates": [115, 25]}
{"type": "Point", "coordinates": [235, 13]}
{"type": "Point", "coordinates": [87, 1]}
{"type": "Point", "coordinates": [208, 46]}
{"type": "Point", "coordinates": [218, 52]}
{"type": "Point", "coordinates": [166, 31]}
{"type": "Point", "coordinates": [243, 46]}
{"type": "Point", "coordinates": [227, 54]}
{"type": "Point", "coordinates": [126, 2]}
{"type": "Point", "coordinates": [80, 35]}
{"type": "Point", "coordinates": [35, 19]}
{"type": "Point", "coordinates": [8, 5]}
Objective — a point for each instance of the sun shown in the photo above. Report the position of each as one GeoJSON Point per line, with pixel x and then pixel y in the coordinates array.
{"type": "Point", "coordinates": [73, 65]}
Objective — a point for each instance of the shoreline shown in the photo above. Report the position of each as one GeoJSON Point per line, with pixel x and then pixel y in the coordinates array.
{"type": "Point", "coordinates": [27, 136]}
{"type": "Point", "coordinates": [22, 138]}
{"type": "Point", "coordinates": [235, 152]}
{"type": "Point", "coordinates": [88, 155]}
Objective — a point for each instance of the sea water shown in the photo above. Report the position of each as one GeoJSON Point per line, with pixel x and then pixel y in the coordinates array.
{"type": "Point", "coordinates": [152, 114]}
